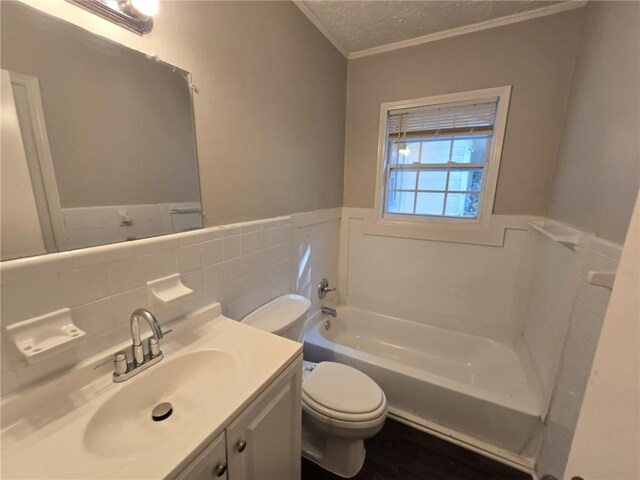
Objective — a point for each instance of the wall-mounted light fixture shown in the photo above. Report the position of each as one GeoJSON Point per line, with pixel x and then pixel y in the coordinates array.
{"type": "Point", "coordinates": [134, 15]}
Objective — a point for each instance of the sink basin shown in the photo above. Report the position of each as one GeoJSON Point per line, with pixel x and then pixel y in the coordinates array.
{"type": "Point", "coordinates": [123, 425]}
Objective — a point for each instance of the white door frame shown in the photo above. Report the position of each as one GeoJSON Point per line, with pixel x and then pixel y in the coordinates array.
{"type": "Point", "coordinates": [45, 160]}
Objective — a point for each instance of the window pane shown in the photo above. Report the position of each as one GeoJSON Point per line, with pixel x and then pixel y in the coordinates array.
{"type": "Point", "coordinates": [469, 150]}
{"type": "Point", "coordinates": [402, 180]}
{"type": "Point", "coordinates": [400, 202]}
{"type": "Point", "coordinates": [429, 203]}
{"type": "Point", "coordinates": [408, 152]}
{"type": "Point", "coordinates": [393, 153]}
{"type": "Point", "coordinates": [465, 180]}
{"type": "Point", "coordinates": [432, 180]}
{"type": "Point", "coordinates": [462, 205]}
{"type": "Point", "coordinates": [462, 149]}
{"type": "Point", "coordinates": [435, 151]}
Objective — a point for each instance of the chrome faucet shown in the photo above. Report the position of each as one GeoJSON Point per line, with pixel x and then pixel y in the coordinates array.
{"type": "Point", "coordinates": [329, 311]}
{"type": "Point", "coordinates": [123, 370]}
{"type": "Point", "coordinates": [154, 343]}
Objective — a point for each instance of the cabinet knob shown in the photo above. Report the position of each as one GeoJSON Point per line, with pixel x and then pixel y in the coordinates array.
{"type": "Point", "coordinates": [241, 446]}
{"type": "Point", "coordinates": [220, 469]}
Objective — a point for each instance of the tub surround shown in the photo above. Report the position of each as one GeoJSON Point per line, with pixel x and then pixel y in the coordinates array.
{"type": "Point", "coordinates": [529, 294]}
{"type": "Point", "coordinates": [496, 291]}
{"type": "Point", "coordinates": [559, 290]}
{"type": "Point", "coordinates": [460, 285]}
{"type": "Point", "coordinates": [576, 355]}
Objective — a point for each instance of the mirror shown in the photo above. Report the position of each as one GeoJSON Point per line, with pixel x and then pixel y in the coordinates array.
{"type": "Point", "coordinates": [98, 140]}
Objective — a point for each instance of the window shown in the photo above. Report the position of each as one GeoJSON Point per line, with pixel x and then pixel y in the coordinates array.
{"type": "Point", "coordinates": [440, 156]}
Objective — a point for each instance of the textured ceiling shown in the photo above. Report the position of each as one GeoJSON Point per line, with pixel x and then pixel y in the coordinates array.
{"type": "Point", "coordinates": [363, 24]}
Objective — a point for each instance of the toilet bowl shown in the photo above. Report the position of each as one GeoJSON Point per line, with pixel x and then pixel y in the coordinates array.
{"type": "Point", "coordinates": [341, 406]}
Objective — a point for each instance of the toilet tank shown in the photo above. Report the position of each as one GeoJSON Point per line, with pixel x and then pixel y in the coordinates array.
{"type": "Point", "coordinates": [283, 316]}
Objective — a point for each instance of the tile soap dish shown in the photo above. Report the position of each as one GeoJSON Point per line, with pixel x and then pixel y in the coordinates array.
{"type": "Point", "coordinates": [167, 291]}
{"type": "Point", "coordinates": [42, 337]}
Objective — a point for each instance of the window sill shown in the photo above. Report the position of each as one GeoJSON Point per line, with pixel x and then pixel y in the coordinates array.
{"type": "Point", "coordinates": [489, 233]}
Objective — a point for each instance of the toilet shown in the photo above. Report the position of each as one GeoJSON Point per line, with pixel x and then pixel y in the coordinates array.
{"type": "Point", "coordinates": [341, 406]}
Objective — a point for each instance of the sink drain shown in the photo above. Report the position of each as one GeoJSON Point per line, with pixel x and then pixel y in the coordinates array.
{"type": "Point", "coordinates": [162, 412]}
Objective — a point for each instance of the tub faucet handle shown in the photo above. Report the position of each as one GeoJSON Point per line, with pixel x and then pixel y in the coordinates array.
{"type": "Point", "coordinates": [323, 288]}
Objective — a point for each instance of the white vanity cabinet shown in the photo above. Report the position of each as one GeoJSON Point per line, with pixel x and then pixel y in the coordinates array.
{"type": "Point", "coordinates": [210, 464]}
{"type": "Point", "coordinates": [262, 442]}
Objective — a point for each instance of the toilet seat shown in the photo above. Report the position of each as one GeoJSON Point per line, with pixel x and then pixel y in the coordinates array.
{"type": "Point", "coordinates": [337, 393]}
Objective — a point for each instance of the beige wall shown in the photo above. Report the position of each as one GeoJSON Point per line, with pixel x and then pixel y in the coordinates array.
{"type": "Point", "coordinates": [271, 120]}
{"type": "Point", "coordinates": [270, 104]}
{"type": "Point", "coordinates": [534, 56]}
{"type": "Point", "coordinates": [120, 125]}
{"type": "Point", "coordinates": [598, 169]}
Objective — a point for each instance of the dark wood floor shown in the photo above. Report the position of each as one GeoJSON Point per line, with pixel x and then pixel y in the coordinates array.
{"type": "Point", "coordinates": [400, 452]}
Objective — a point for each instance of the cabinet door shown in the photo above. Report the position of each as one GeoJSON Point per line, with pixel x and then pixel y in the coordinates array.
{"type": "Point", "coordinates": [211, 464]}
{"type": "Point", "coordinates": [263, 443]}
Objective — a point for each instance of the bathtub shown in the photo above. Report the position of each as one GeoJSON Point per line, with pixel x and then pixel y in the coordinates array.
{"type": "Point", "coordinates": [470, 388]}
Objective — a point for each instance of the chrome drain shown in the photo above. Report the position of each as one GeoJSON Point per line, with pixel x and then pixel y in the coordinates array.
{"type": "Point", "coordinates": [161, 412]}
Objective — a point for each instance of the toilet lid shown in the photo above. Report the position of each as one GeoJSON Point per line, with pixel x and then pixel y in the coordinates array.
{"type": "Point", "coordinates": [343, 389]}
{"type": "Point", "coordinates": [278, 314]}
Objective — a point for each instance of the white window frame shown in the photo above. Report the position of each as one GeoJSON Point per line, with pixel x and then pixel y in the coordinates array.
{"type": "Point", "coordinates": [490, 170]}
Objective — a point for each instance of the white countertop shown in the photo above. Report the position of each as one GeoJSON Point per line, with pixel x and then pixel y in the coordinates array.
{"type": "Point", "coordinates": [44, 428]}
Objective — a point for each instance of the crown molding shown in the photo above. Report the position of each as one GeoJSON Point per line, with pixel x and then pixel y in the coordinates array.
{"type": "Point", "coordinates": [320, 26]}
{"type": "Point", "coordinates": [474, 27]}
{"type": "Point", "coordinates": [432, 37]}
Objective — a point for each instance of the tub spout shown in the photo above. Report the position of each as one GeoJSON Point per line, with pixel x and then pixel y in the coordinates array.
{"type": "Point", "coordinates": [329, 311]}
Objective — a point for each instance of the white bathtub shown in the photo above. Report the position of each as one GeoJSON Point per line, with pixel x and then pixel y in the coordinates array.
{"type": "Point", "coordinates": [470, 385]}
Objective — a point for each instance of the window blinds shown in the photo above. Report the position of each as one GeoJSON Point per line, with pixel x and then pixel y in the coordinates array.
{"type": "Point", "coordinates": [443, 120]}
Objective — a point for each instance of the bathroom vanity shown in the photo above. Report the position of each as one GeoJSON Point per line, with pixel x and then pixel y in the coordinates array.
{"type": "Point", "coordinates": [235, 394]}
{"type": "Point", "coordinates": [262, 442]}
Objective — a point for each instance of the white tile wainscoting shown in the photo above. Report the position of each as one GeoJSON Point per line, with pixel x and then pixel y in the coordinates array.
{"type": "Point", "coordinates": [316, 238]}
{"type": "Point", "coordinates": [88, 226]}
{"type": "Point", "coordinates": [240, 265]}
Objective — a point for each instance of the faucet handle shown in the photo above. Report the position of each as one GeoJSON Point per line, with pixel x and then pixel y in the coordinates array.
{"type": "Point", "coordinates": [154, 347]}
{"type": "Point", "coordinates": [323, 288]}
{"type": "Point", "coordinates": [120, 363]}
{"type": "Point", "coordinates": [108, 360]}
